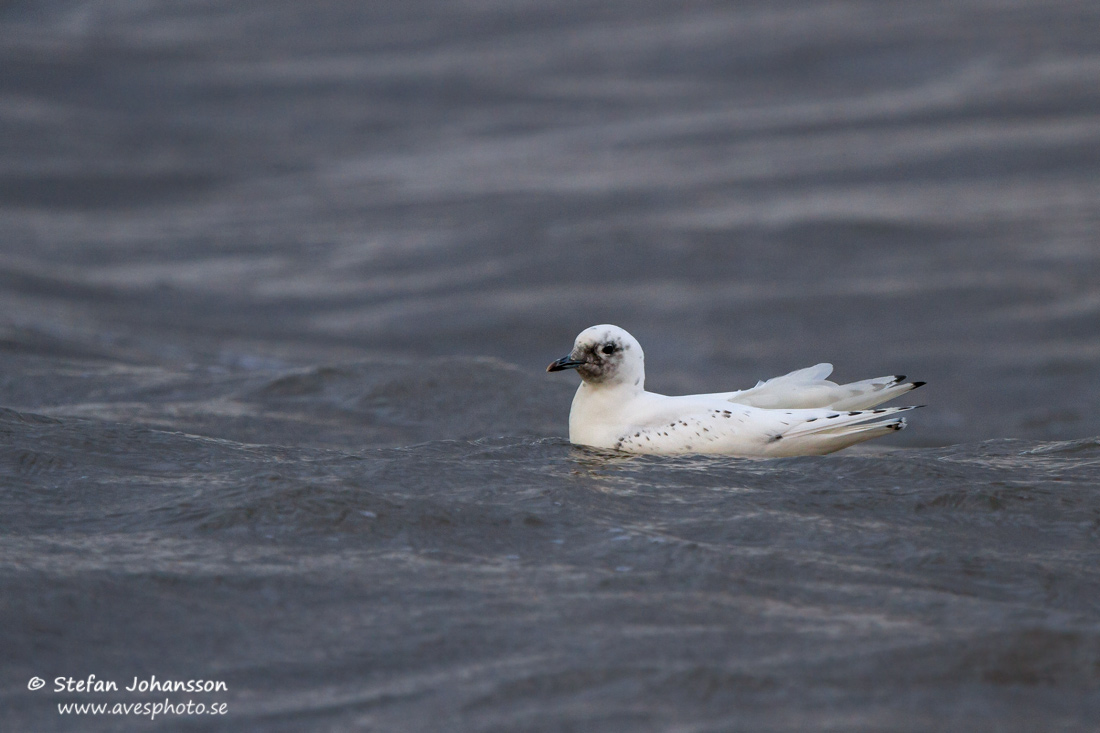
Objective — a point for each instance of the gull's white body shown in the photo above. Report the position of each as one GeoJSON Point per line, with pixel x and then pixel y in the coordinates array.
{"type": "Point", "coordinates": [797, 414]}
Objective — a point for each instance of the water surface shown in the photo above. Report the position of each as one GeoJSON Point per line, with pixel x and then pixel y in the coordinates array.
{"type": "Point", "coordinates": [278, 286]}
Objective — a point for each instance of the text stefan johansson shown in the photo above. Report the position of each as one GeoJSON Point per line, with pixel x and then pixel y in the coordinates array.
{"type": "Point", "coordinates": [91, 684]}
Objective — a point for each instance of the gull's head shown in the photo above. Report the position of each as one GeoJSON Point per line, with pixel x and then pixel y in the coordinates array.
{"type": "Point", "coordinates": [606, 356]}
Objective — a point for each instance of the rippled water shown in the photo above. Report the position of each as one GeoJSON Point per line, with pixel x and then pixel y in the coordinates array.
{"type": "Point", "coordinates": [278, 286]}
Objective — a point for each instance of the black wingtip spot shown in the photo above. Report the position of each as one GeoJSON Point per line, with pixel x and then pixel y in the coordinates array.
{"type": "Point", "coordinates": [830, 417]}
{"type": "Point", "coordinates": [854, 412]}
{"type": "Point", "coordinates": [919, 384]}
{"type": "Point", "coordinates": [899, 378]}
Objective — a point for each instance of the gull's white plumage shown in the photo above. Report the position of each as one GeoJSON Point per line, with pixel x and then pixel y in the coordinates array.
{"type": "Point", "coordinates": [800, 413]}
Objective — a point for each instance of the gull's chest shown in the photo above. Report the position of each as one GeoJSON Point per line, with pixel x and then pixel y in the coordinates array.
{"type": "Point", "coordinates": [598, 417]}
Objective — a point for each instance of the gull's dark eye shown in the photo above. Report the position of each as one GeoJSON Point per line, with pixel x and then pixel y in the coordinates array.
{"type": "Point", "coordinates": [608, 349]}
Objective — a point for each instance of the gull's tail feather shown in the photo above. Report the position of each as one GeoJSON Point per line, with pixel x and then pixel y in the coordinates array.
{"type": "Point", "coordinates": [808, 388]}
{"type": "Point", "coordinates": [831, 432]}
{"type": "Point", "coordinates": [871, 392]}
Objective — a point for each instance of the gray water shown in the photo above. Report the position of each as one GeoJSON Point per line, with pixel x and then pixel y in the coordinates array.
{"type": "Point", "coordinates": [278, 283]}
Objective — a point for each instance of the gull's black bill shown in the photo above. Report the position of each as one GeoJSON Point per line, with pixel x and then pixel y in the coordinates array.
{"type": "Point", "coordinates": [566, 362]}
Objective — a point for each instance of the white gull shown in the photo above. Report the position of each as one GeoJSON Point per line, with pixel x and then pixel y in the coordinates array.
{"type": "Point", "coordinates": [797, 414]}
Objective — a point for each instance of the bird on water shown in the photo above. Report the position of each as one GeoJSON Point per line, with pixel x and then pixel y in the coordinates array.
{"type": "Point", "coordinates": [797, 414]}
